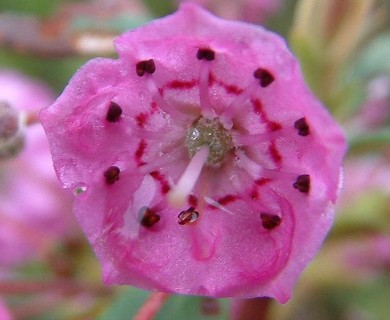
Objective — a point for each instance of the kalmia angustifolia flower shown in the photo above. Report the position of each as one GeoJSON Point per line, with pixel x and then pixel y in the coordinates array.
{"type": "Point", "coordinates": [200, 161]}
{"type": "Point", "coordinates": [34, 211]}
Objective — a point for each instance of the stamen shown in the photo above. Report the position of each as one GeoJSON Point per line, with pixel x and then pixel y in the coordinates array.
{"type": "Point", "coordinates": [265, 77]}
{"type": "Point", "coordinates": [188, 216]}
{"type": "Point", "coordinates": [178, 195]}
{"type": "Point", "coordinates": [148, 218]}
{"type": "Point", "coordinates": [269, 221]}
{"type": "Point", "coordinates": [237, 104]}
{"type": "Point", "coordinates": [254, 139]}
{"type": "Point", "coordinates": [114, 112]}
{"type": "Point", "coordinates": [158, 161]}
{"type": "Point", "coordinates": [205, 103]}
{"type": "Point", "coordinates": [302, 127]}
{"type": "Point", "coordinates": [146, 66]}
{"type": "Point", "coordinates": [302, 183]}
{"type": "Point", "coordinates": [205, 54]}
{"type": "Point", "coordinates": [161, 104]}
{"type": "Point", "coordinates": [217, 205]}
{"type": "Point", "coordinates": [250, 166]}
{"type": "Point", "coordinates": [111, 174]}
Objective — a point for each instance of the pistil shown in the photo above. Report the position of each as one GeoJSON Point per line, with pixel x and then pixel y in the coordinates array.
{"type": "Point", "coordinates": [178, 195]}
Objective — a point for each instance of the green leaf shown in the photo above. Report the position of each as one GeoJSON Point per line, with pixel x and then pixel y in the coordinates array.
{"type": "Point", "coordinates": [160, 8]}
{"type": "Point", "coordinates": [40, 7]}
{"type": "Point", "coordinates": [370, 142]}
{"type": "Point", "coordinates": [126, 305]}
{"type": "Point", "coordinates": [190, 308]}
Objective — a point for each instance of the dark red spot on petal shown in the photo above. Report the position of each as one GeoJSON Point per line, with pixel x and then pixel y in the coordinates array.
{"type": "Point", "coordinates": [274, 152]}
{"type": "Point", "coordinates": [112, 174]}
{"type": "Point", "coordinates": [274, 126]}
{"type": "Point", "coordinates": [227, 199]}
{"type": "Point", "coordinates": [302, 127]}
{"type": "Point", "coordinates": [302, 183]}
{"type": "Point", "coordinates": [205, 54]}
{"type": "Point", "coordinates": [177, 84]}
{"type": "Point", "coordinates": [192, 200]}
{"type": "Point", "coordinates": [148, 218]}
{"type": "Point", "coordinates": [232, 88]}
{"type": "Point", "coordinates": [154, 107]}
{"type": "Point", "coordinates": [211, 79]}
{"type": "Point", "coordinates": [264, 76]}
{"type": "Point", "coordinates": [140, 152]}
{"type": "Point", "coordinates": [145, 66]}
{"type": "Point", "coordinates": [161, 179]}
{"type": "Point", "coordinates": [258, 106]}
{"type": "Point", "coordinates": [254, 194]}
{"type": "Point", "coordinates": [188, 216]}
{"type": "Point", "coordinates": [269, 221]}
{"type": "Point", "coordinates": [114, 112]}
{"type": "Point", "coordinates": [262, 181]}
{"type": "Point", "coordinates": [141, 119]}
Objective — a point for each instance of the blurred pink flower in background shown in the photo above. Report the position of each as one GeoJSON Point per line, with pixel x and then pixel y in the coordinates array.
{"type": "Point", "coordinates": [367, 256]}
{"type": "Point", "coordinates": [34, 211]}
{"type": "Point", "coordinates": [363, 175]}
{"type": "Point", "coordinates": [201, 162]}
{"type": "Point", "coordinates": [255, 11]}
{"type": "Point", "coordinates": [375, 112]}
{"type": "Point", "coordinates": [4, 314]}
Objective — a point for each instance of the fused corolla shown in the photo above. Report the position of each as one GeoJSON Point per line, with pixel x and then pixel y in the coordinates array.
{"type": "Point", "coordinates": [200, 161]}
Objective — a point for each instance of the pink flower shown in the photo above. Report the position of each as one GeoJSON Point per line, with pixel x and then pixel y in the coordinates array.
{"type": "Point", "coordinates": [362, 176]}
{"type": "Point", "coordinates": [255, 11]}
{"type": "Point", "coordinates": [4, 313]}
{"type": "Point", "coordinates": [200, 161]}
{"type": "Point", "coordinates": [33, 209]}
{"type": "Point", "coordinates": [367, 256]}
{"type": "Point", "coordinates": [376, 109]}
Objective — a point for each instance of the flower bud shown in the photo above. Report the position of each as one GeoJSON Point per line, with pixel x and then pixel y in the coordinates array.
{"type": "Point", "coordinates": [11, 131]}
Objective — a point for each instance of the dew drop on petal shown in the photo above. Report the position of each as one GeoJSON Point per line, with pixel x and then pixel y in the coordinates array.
{"type": "Point", "coordinates": [80, 190]}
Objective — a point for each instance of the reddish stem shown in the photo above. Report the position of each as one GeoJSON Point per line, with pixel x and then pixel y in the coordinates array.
{"type": "Point", "coordinates": [151, 306]}
{"type": "Point", "coordinates": [253, 309]}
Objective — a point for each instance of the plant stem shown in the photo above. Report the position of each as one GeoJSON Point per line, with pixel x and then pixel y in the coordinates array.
{"type": "Point", "coordinates": [151, 306]}
{"type": "Point", "coordinates": [253, 309]}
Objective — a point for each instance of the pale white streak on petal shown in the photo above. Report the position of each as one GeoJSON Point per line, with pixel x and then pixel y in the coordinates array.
{"type": "Point", "coordinates": [143, 197]}
{"type": "Point", "coordinates": [250, 166]}
{"type": "Point", "coordinates": [217, 205]}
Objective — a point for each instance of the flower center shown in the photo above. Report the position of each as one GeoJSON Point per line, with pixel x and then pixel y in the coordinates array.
{"type": "Point", "coordinates": [210, 133]}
